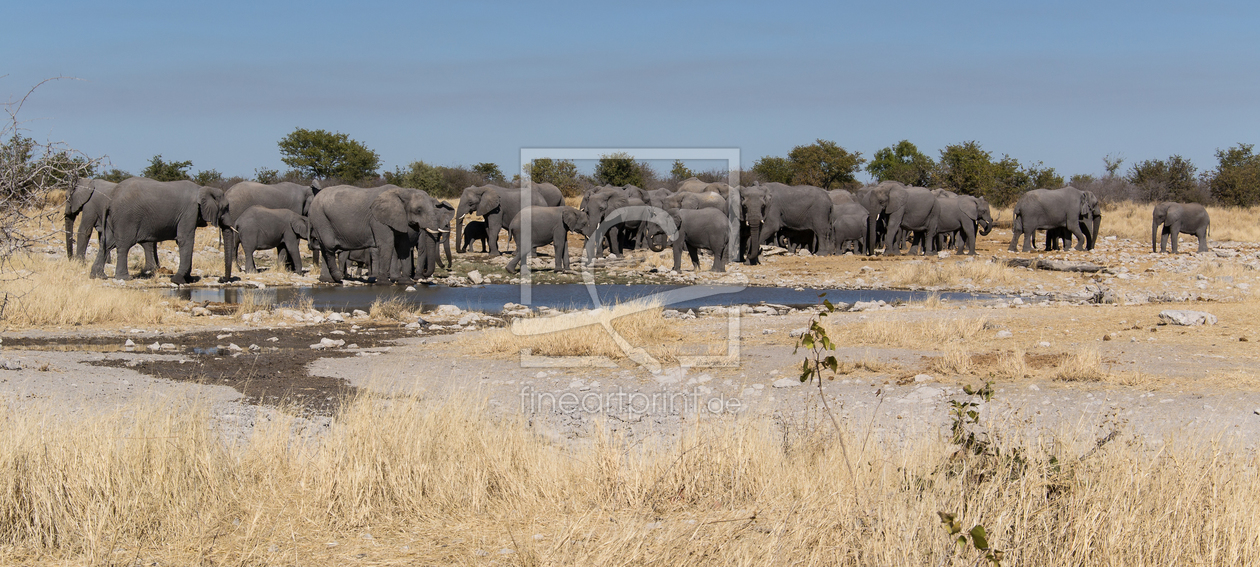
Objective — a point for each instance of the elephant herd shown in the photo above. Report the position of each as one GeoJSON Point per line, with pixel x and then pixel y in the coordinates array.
{"type": "Point", "coordinates": [398, 232]}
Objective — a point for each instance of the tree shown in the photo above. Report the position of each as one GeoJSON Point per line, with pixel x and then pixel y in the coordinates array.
{"type": "Point", "coordinates": [1166, 180]}
{"type": "Point", "coordinates": [966, 168]}
{"type": "Point", "coordinates": [1112, 163]}
{"type": "Point", "coordinates": [619, 169]}
{"type": "Point", "coordinates": [208, 177]}
{"type": "Point", "coordinates": [489, 171]}
{"type": "Point", "coordinates": [561, 173]}
{"type": "Point", "coordinates": [1236, 180]}
{"type": "Point", "coordinates": [266, 176]}
{"type": "Point", "coordinates": [160, 170]}
{"type": "Point", "coordinates": [825, 164]}
{"type": "Point", "coordinates": [680, 171]}
{"type": "Point", "coordinates": [902, 162]}
{"type": "Point", "coordinates": [322, 154]}
{"type": "Point", "coordinates": [419, 175]}
{"type": "Point", "coordinates": [115, 175]}
{"type": "Point", "coordinates": [774, 169]}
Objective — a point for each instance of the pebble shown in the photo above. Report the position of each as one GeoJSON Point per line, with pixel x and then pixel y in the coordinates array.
{"type": "Point", "coordinates": [1005, 334]}
{"type": "Point", "coordinates": [1043, 344]}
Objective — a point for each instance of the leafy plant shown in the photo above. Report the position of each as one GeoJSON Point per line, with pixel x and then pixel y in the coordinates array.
{"type": "Point", "coordinates": [323, 154]}
{"type": "Point", "coordinates": [816, 341]}
{"type": "Point", "coordinates": [160, 170]}
{"type": "Point", "coordinates": [979, 539]}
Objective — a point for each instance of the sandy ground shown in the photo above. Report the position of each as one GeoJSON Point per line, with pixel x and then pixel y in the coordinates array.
{"type": "Point", "coordinates": [1166, 380]}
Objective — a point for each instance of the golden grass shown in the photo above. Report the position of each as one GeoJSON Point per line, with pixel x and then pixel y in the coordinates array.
{"type": "Point", "coordinates": [53, 292]}
{"type": "Point", "coordinates": [1084, 365]}
{"type": "Point", "coordinates": [893, 332]}
{"type": "Point", "coordinates": [583, 333]}
{"type": "Point", "coordinates": [401, 482]}
{"type": "Point", "coordinates": [1127, 219]}
{"type": "Point", "coordinates": [393, 308]}
{"type": "Point", "coordinates": [955, 360]}
{"type": "Point", "coordinates": [951, 272]}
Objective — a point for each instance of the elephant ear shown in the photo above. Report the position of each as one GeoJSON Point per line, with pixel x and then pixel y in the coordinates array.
{"type": "Point", "coordinates": [79, 198]}
{"type": "Point", "coordinates": [210, 204]}
{"type": "Point", "coordinates": [1086, 207]}
{"type": "Point", "coordinates": [388, 208]}
{"type": "Point", "coordinates": [970, 209]}
{"type": "Point", "coordinates": [445, 213]}
{"type": "Point", "coordinates": [489, 201]}
{"type": "Point", "coordinates": [573, 219]}
{"type": "Point", "coordinates": [301, 226]}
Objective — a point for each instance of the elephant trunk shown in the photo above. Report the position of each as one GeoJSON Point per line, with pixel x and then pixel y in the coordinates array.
{"type": "Point", "coordinates": [754, 243]}
{"type": "Point", "coordinates": [70, 234]}
{"type": "Point", "coordinates": [1096, 226]}
{"type": "Point", "coordinates": [459, 226]}
{"type": "Point", "coordinates": [986, 225]}
{"type": "Point", "coordinates": [1154, 234]}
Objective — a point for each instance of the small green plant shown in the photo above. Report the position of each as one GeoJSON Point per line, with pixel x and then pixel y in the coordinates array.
{"type": "Point", "coordinates": [979, 540]}
{"type": "Point", "coordinates": [965, 427]}
{"type": "Point", "coordinates": [815, 339]}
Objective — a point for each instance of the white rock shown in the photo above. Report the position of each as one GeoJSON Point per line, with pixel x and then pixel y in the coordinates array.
{"type": "Point", "coordinates": [787, 383]}
{"type": "Point", "coordinates": [234, 347]}
{"type": "Point", "coordinates": [409, 288]}
{"type": "Point", "coordinates": [326, 343]}
{"type": "Point", "coordinates": [798, 332]}
{"type": "Point", "coordinates": [447, 311]}
{"type": "Point", "coordinates": [336, 318]}
{"type": "Point", "coordinates": [475, 277]}
{"type": "Point", "coordinates": [7, 364]}
{"type": "Point", "coordinates": [359, 314]}
{"type": "Point", "coordinates": [201, 312]}
{"type": "Point", "coordinates": [1034, 388]}
{"type": "Point", "coordinates": [129, 343]}
{"type": "Point", "coordinates": [1004, 334]}
{"type": "Point", "coordinates": [1186, 318]}
{"type": "Point", "coordinates": [923, 378]}
{"type": "Point", "coordinates": [1043, 344]}
{"type": "Point", "coordinates": [169, 347]}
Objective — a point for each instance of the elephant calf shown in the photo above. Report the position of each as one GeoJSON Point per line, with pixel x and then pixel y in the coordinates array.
{"type": "Point", "coordinates": [548, 225]}
{"type": "Point", "coordinates": [1178, 219]}
{"type": "Point", "coordinates": [848, 224]}
{"type": "Point", "coordinates": [260, 228]}
{"type": "Point", "coordinates": [698, 228]}
{"type": "Point", "coordinates": [475, 231]}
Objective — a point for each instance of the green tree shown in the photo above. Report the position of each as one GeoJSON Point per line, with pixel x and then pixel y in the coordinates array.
{"type": "Point", "coordinates": [902, 162]}
{"type": "Point", "coordinates": [1166, 180]}
{"type": "Point", "coordinates": [825, 164]}
{"type": "Point", "coordinates": [160, 170]}
{"type": "Point", "coordinates": [1236, 179]}
{"type": "Point", "coordinates": [266, 176]}
{"type": "Point", "coordinates": [680, 171]}
{"type": "Point", "coordinates": [208, 177]}
{"type": "Point", "coordinates": [618, 169]}
{"type": "Point", "coordinates": [774, 169]}
{"type": "Point", "coordinates": [322, 154]}
{"type": "Point", "coordinates": [489, 171]}
{"type": "Point", "coordinates": [966, 168]}
{"type": "Point", "coordinates": [419, 175]}
{"type": "Point", "coordinates": [562, 173]}
{"type": "Point", "coordinates": [115, 175]}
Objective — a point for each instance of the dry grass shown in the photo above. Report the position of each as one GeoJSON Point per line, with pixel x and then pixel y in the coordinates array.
{"type": "Point", "coordinates": [951, 273]}
{"type": "Point", "coordinates": [954, 361]}
{"type": "Point", "coordinates": [1084, 365]}
{"type": "Point", "coordinates": [393, 308]}
{"type": "Point", "coordinates": [1133, 220]}
{"type": "Point", "coordinates": [584, 333]}
{"type": "Point", "coordinates": [399, 482]}
{"type": "Point", "coordinates": [53, 292]}
{"type": "Point", "coordinates": [893, 332]}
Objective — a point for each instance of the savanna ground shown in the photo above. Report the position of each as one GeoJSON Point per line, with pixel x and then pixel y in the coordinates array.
{"type": "Point", "coordinates": [1110, 438]}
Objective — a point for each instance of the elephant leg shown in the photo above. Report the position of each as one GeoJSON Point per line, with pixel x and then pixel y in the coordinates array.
{"type": "Point", "coordinates": [719, 257]}
{"type": "Point", "coordinates": [694, 253]}
{"type": "Point", "coordinates": [230, 240]}
{"type": "Point", "coordinates": [892, 245]}
{"type": "Point", "coordinates": [121, 271]}
{"type": "Point", "coordinates": [292, 252]}
{"type": "Point", "coordinates": [1075, 227]}
{"type": "Point", "coordinates": [332, 269]}
{"type": "Point", "coordinates": [493, 224]}
{"type": "Point", "coordinates": [678, 252]}
{"type": "Point", "coordinates": [1202, 235]}
{"type": "Point", "coordinates": [183, 274]}
{"type": "Point", "coordinates": [1163, 239]}
{"type": "Point", "coordinates": [150, 257]}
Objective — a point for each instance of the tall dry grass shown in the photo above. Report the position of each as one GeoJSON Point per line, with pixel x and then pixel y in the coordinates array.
{"type": "Point", "coordinates": [401, 482]}
{"type": "Point", "coordinates": [584, 333]}
{"type": "Point", "coordinates": [895, 332]}
{"type": "Point", "coordinates": [950, 272]}
{"type": "Point", "coordinates": [51, 292]}
{"type": "Point", "coordinates": [1127, 219]}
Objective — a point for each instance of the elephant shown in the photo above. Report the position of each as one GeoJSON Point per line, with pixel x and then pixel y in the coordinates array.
{"type": "Point", "coordinates": [708, 200]}
{"type": "Point", "coordinates": [1178, 219]}
{"type": "Point", "coordinates": [90, 199]}
{"type": "Point", "coordinates": [754, 206]}
{"type": "Point", "coordinates": [963, 215]}
{"type": "Point", "coordinates": [1048, 209]}
{"type": "Point", "coordinates": [261, 227]}
{"type": "Point", "coordinates": [246, 194]}
{"type": "Point", "coordinates": [799, 207]}
{"type": "Point", "coordinates": [548, 225]}
{"type": "Point", "coordinates": [144, 210]}
{"type": "Point", "coordinates": [381, 219]}
{"type": "Point", "coordinates": [475, 231]}
{"type": "Point", "coordinates": [497, 205]}
{"type": "Point", "coordinates": [551, 195]}
{"type": "Point", "coordinates": [446, 213]}
{"type": "Point", "coordinates": [881, 201]}
{"type": "Point", "coordinates": [909, 210]}
{"type": "Point", "coordinates": [698, 228]}
{"type": "Point", "coordinates": [598, 205]}
{"type": "Point", "coordinates": [848, 224]}
{"type": "Point", "coordinates": [695, 185]}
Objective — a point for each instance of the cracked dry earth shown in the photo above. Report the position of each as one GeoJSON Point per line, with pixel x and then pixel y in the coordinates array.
{"type": "Point", "coordinates": [1157, 381]}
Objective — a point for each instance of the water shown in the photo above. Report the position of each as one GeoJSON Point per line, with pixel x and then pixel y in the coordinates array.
{"type": "Point", "coordinates": [490, 298]}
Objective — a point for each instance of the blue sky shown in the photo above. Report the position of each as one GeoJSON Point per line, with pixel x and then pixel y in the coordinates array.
{"type": "Point", "coordinates": [466, 82]}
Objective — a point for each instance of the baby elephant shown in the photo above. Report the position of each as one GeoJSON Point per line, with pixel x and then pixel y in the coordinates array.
{"type": "Point", "coordinates": [698, 228]}
{"type": "Point", "coordinates": [476, 231]}
{"type": "Point", "coordinates": [263, 228]}
{"type": "Point", "coordinates": [549, 225]}
{"type": "Point", "coordinates": [1178, 218]}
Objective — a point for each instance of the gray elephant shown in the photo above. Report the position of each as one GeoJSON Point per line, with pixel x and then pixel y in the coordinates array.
{"type": "Point", "coordinates": [262, 228]}
{"type": "Point", "coordinates": [706, 200]}
{"type": "Point", "coordinates": [753, 206]}
{"type": "Point", "coordinates": [598, 206]}
{"type": "Point", "coordinates": [246, 194]}
{"type": "Point", "coordinates": [496, 205]}
{"type": "Point", "coordinates": [548, 225]}
{"type": "Point", "coordinates": [848, 225]}
{"type": "Point", "coordinates": [1049, 209]}
{"type": "Point", "coordinates": [475, 231]}
{"type": "Point", "coordinates": [148, 211]}
{"type": "Point", "coordinates": [380, 219]}
{"type": "Point", "coordinates": [446, 213]}
{"type": "Point", "coordinates": [698, 229]}
{"type": "Point", "coordinates": [1178, 219]}
{"type": "Point", "coordinates": [695, 185]}
{"type": "Point", "coordinates": [799, 207]}
{"type": "Point", "coordinates": [551, 195]}
{"type": "Point", "coordinates": [962, 215]}
{"type": "Point", "coordinates": [90, 199]}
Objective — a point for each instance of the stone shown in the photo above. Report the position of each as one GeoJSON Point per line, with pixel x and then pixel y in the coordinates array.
{"type": "Point", "coordinates": [359, 314]}
{"type": "Point", "coordinates": [1044, 344]}
{"type": "Point", "coordinates": [671, 314]}
{"type": "Point", "coordinates": [10, 364]}
{"type": "Point", "coordinates": [1004, 334]}
{"type": "Point", "coordinates": [469, 318]}
{"type": "Point", "coordinates": [234, 347]}
{"type": "Point", "coordinates": [798, 332]}
{"type": "Point", "coordinates": [475, 277]}
{"type": "Point", "coordinates": [447, 311]}
{"type": "Point", "coordinates": [1186, 318]}
{"type": "Point", "coordinates": [336, 318]}
{"type": "Point", "coordinates": [410, 288]}
{"type": "Point", "coordinates": [169, 347]}
{"type": "Point", "coordinates": [923, 378]}
{"type": "Point", "coordinates": [201, 312]}
{"type": "Point", "coordinates": [327, 343]}
{"type": "Point", "coordinates": [787, 383]}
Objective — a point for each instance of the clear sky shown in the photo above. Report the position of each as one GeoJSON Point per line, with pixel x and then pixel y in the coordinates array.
{"type": "Point", "coordinates": [219, 83]}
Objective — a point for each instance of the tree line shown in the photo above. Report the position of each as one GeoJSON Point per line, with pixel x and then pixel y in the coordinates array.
{"type": "Point", "coordinates": [966, 168]}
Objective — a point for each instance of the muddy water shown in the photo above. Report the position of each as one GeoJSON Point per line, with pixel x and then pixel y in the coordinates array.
{"type": "Point", "coordinates": [490, 298]}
